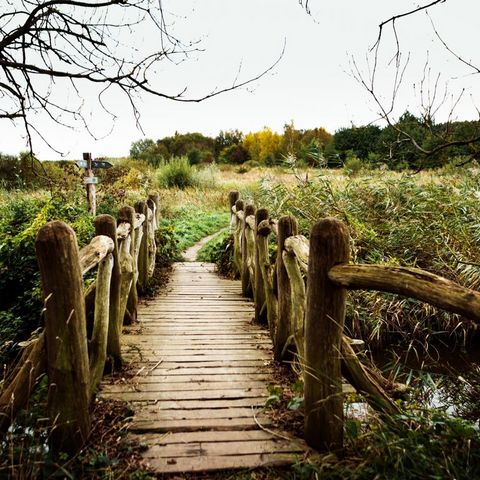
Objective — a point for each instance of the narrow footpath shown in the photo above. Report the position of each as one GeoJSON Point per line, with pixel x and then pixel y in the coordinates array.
{"type": "Point", "coordinates": [202, 370]}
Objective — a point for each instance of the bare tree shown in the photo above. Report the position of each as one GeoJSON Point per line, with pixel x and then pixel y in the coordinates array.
{"type": "Point", "coordinates": [432, 91]}
{"type": "Point", "coordinates": [432, 95]}
{"type": "Point", "coordinates": [46, 46]}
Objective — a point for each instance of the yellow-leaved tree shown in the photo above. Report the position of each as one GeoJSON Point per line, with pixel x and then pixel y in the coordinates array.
{"type": "Point", "coordinates": [264, 146]}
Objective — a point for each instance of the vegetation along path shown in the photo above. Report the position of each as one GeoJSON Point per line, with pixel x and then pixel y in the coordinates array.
{"type": "Point", "coordinates": [201, 375]}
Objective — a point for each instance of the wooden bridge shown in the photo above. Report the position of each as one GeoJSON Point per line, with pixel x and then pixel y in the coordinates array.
{"type": "Point", "coordinates": [201, 374]}
{"type": "Point", "coordinates": [201, 361]}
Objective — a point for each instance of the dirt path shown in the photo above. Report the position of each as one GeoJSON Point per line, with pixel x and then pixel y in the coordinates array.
{"type": "Point", "coordinates": [190, 255]}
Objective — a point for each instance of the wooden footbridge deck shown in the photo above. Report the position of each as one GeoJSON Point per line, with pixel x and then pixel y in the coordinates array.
{"type": "Point", "coordinates": [202, 371]}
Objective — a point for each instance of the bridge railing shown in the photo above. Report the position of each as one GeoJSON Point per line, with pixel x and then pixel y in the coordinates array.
{"type": "Point", "coordinates": [82, 326]}
{"type": "Point", "coordinates": [301, 296]}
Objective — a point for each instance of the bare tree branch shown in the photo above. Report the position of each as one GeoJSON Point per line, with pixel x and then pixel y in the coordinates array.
{"type": "Point", "coordinates": [46, 43]}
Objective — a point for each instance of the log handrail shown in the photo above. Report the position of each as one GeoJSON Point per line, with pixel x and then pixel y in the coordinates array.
{"type": "Point", "coordinates": [410, 282]}
{"type": "Point", "coordinates": [93, 253]}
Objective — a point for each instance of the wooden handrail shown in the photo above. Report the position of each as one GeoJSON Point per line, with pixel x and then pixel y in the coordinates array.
{"type": "Point", "coordinates": [410, 282]}
{"type": "Point", "coordinates": [93, 253]}
{"type": "Point", "coordinates": [299, 246]}
{"type": "Point", "coordinates": [123, 230]}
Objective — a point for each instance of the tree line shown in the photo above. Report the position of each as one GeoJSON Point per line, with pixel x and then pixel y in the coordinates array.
{"type": "Point", "coordinates": [409, 143]}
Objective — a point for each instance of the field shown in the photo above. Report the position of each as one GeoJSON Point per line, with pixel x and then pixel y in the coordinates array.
{"type": "Point", "coordinates": [429, 220]}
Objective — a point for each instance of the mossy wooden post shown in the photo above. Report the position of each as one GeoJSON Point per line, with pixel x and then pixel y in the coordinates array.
{"type": "Point", "coordinates": [324, 320]}
{"type": "Point", "coordinates": [264, 230]}
{"type": "Point", "coordinates": [237, 246]}
{"type": "Point", "coordinates": [106, 225]}
{"type": "Point", "coordinates": [66, 336]}
{"type": "Point", "coordinates": [259, 292]}
{"type": "Point", "coordinates": [141, 207]}
{"type": "Point", "coordinates": [298, 301]}
{"type": "Point", "coordinates": [232, 198]}
{"type": "Point", "coordinates": [127, 214]}
{"type": "Point", "coordinates": [247, 281]}
{"type": "Point", "coordinates": [287, 226]}
{"type": "Point", "coordinates": [102, 323]}
{"type": "Point", "coordinates": [126, 267]}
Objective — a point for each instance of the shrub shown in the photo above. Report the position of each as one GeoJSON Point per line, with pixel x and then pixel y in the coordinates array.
{"type": "Point", "coordinates": [176, 173]}
{"type": "Point", "coordinates": [353, 166]}
{"type": "Point", "coordinates": [219, 251]}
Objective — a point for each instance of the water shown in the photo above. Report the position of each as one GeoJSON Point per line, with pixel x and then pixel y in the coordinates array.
{"type": "Point", "coordinates": [439, 378]}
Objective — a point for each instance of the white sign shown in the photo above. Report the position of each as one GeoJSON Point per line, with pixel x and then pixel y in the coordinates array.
{"type": "Point", "coordinates": [90, 180]}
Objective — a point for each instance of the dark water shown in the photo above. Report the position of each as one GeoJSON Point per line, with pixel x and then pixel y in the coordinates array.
{"type": "Point", "coordinates": [439, 377]}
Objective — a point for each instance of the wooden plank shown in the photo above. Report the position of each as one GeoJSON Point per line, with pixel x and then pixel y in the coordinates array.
{"type": "Point", "coordinates": [186, 386]}
{"type": "Point", "coordinates": [211, 463]}
{"type": "Point", "coordinates": [198, 404]}
{"type": "Point", "coordinates": [148, 414]}
{"type": "Point", "coordinates": [264, 378]}
{"type": "Point", "coordinates": [197, 449]}
{"type": "Point", "coordinates": [170, 366]}
{"type": "Point", "coordinates": [196, 425]}
{"type": "Point", "coordinates": [195, 395]}
{"type": "Point", "coordinates": [211, 436]}
{"type": "Point", "coordinates": [208, 372]}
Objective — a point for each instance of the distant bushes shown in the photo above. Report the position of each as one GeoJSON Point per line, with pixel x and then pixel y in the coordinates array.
{"type": "Point", "coordinates": [179, 173]}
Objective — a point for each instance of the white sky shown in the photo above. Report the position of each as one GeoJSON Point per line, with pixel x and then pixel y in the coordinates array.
{"type": "Point", "coordinates": [311, 85]}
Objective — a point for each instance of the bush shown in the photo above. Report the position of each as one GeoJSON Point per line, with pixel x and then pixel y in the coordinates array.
{"type": "Point", "coordinates": [176, 173]}
{"type": "Point", "coordinates": [353, 166]}
{"type": "Point", "coordinates": [219, 251]}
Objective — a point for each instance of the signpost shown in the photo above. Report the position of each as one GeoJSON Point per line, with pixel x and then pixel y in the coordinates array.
{"type": "Point", "coordinates": [90, 184]}
{"type": "Point", "coordinates": [90, 180]}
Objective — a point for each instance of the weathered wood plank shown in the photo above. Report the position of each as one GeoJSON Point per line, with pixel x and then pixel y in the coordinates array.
{"type": "Point", "coordinates": [196, 425]}
{"type": "Point", "coordinates": [211, 463]}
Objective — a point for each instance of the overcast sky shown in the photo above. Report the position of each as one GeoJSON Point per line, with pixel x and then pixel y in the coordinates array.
{"type": "Point", "coordinates": [312, 85]}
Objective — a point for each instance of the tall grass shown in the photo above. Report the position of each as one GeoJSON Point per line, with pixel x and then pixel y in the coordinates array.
{"type": "Point", "coordinates": [427, 222]}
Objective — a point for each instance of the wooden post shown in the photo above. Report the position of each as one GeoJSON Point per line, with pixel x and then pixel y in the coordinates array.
{"type": "Point", "coordinates": [324, 320]}
{"type": "Point", "coordinates": [127, 214]}
{"type": "Point", "coordinates": [127, 269]}
{"type": "Point", "coordinates": [264, 230]}
{"type": "Point", "coordinates": [298, 302]}
{"type": "Point", "coordinates": [232, 198]}
{"type": "Point", "coordinates": [66, 336]}
{"type": "Point", "coordinates": [237, 245]}
{"type": "Point", "coordinates": [141, 207]}
{"type": "Point", "coordinates": [247, 281]}
{"type": "Point", "coordinates": [287, 226]}
{"type": "Point", "coordinates": [152, 247]}
{"type": "Point", "coordinates": [106, 225]}
{"type": "Point", "coordinates": [259, 292]}
{"type": "Point", "coordinates": [102, 322]}
{"type": "Point", "coordinates": [91, 190]}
